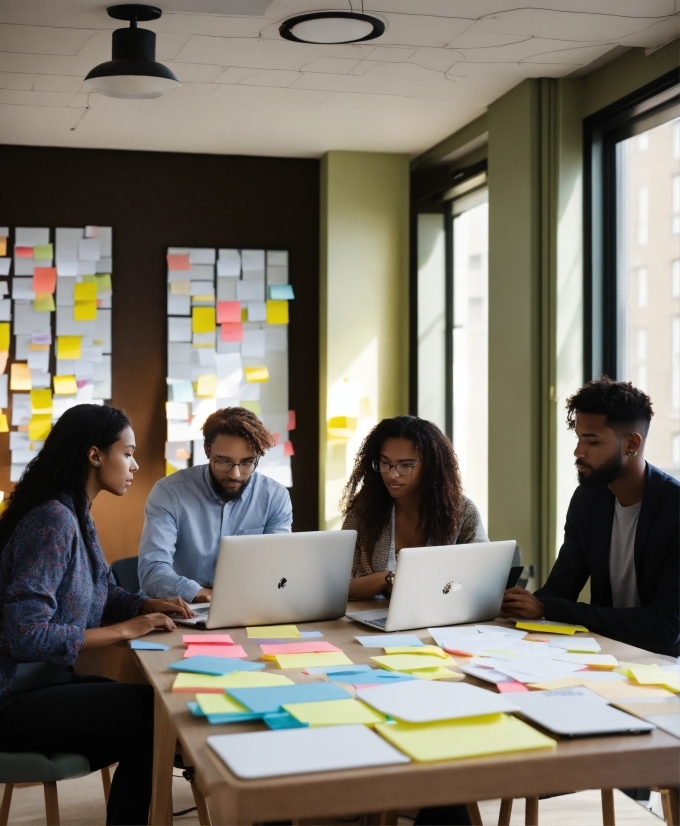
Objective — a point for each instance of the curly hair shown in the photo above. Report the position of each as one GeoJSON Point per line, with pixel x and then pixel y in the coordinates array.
{"type": "Point", "coordinates": [623, 405]}
{"type": "Point", "coordinates": [237, 421]}
{"type": "Point", "coordinates": [61, 466]}
{"type": "Point", "coordinates": [441, 501]}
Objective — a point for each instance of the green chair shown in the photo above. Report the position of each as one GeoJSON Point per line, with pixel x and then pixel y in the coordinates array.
{"type": "Point", "coordinates": [28, 767]}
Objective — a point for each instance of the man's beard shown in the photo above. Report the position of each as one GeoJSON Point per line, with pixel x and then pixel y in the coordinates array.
{"type": "Point", "coordinates": [609, 472]}
{"type": "Point", "coordinates": [228, 495]}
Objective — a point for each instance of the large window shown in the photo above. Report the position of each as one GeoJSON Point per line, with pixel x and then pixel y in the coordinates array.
{"type": "Point", "coordinates": [452, 325]}
{"type": "Point", "coordinates": [633, 260]}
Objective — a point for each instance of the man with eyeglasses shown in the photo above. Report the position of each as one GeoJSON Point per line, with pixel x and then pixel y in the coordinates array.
{"type": "Point", "coordinates": [188, 513]}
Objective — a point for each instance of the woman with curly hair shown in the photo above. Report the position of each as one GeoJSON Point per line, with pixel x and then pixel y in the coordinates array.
{"type": "Point", "coordinates": [56, 590]}
{"type": "Point", "coordinates": [404, 492]}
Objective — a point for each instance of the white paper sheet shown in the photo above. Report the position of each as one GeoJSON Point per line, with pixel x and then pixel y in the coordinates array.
{"type": "Point", "coordinates": [179, 329]}
{"type": "Point", "coordinates": [5, 264]}
{"type": "Point", "coordinates": [226, 289]}
{"type": "Point", "coordinates": [179, 305]}
{"type": "Point", "coordinates": [31, 236]}
{"type": "Point", "coordinates": [4, 385]}
{"type": "Point", "coordinates": [201, 255]}
{"type": "Point", "coordinates": [21, 289]}
{"type": "Point", "coordinates": [250, 290]}
{"type": "Point", "coordinates": [253, 344]}
{"type": "Point", "coordinates": [5, 309]}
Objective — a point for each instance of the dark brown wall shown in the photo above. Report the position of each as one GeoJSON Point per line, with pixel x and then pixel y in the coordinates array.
{"type": "Point", "coordinates": [154, 200]}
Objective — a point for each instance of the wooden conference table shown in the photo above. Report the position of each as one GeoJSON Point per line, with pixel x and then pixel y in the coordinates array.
{"type": "Point", "coordinates": [587, 763]}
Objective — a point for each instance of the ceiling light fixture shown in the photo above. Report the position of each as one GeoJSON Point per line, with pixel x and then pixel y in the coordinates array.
{"type": "Point", "coordinates": [133, 71]}
{"type": "Point", "coordinates": [332, 27]}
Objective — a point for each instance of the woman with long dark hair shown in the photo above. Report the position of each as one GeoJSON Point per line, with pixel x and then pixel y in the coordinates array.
{"type": "Point", "coordinates": [404, 492]}
{"type": "Point", "coordinates": [55, 591]}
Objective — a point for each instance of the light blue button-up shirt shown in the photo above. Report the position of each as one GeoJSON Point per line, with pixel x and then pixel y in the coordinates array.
{"type": "Point", "coordinates": [184, 520]}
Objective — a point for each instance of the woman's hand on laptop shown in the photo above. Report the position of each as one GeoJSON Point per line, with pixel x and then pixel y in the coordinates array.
{"type": "Point", "coordinates": [171, 605]}
{"type": "Point", "coordinates": [204, 595]}
{"type": "Point", "coordinates": [518, 602]}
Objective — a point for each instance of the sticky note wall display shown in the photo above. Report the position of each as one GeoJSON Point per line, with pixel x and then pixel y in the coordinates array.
{"type": "Point", "coordinates": [227, 346]}
{"type": "Point", "coordinates": [55, 330]}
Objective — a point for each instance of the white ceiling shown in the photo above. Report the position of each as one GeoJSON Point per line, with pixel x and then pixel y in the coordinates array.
{"type": "Point", "coordinates": [247, 91]}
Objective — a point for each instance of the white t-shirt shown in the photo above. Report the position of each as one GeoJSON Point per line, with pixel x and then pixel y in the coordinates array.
{"type": "Point", "coordinates": [622, 557]}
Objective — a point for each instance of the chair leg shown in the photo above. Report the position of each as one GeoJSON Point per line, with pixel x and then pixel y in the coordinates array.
{"type": "Point", "coordinates": [201, 805]}
{"type": "Point", "coordinates": [673, 795]}
{"type": "Point", "coordinates": [474, 814]}
{"type": "Point", "coordinates": [106, 783]}
{"type": "Point", "coordinates": [6, 803]}
{"type": "Point", "coordinates": [505, 812]}
{"type": "Point", "coordinates": [51, 803]}
{"type": "Point", "coordinates": [531, 813]}
{"type": "Point", "coordinates": [608, 814]}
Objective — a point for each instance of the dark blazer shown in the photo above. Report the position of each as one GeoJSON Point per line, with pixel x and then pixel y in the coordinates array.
{"type": "Point", "coordinates": [585, 553]}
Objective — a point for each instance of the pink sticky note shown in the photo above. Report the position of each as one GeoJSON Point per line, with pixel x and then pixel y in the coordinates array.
{"type": "Point", "coordinates": [92, 232]}
{"type": "Point", "coordinates": [231, 651]}
{"type": "Point", "coordinates": [232, 331]}
{"type": "Point", "coordinates": [178, 262]}
{"type": "Point", "coordinates": [511, 687]}
{"type": "Point", "coordinates": [207, 639]}
{"type": "Point", "coordinates": [298, 648]}
{"type": "Point", "coordinates": [277, 438]}
{"type": "Point", "coordinates": [44, 280]}
{"type": "Point", "coordinates": [228, 311]}
{"type": "Point", "coordinates": [23, 252]}
{"type": "Point", "coordinates": [288, 449]}
{"type": "Point", "coordinates": [291, 420]}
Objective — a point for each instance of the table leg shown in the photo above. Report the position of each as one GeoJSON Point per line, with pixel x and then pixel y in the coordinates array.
{"type": "Point", "coordinates": [531, 812]}
{"type": "Point", "coordinates": [473, 814]}
{"type": "Point", "coordinates": [674, 801]}
{"type": "Point", "coordinates": [608, 815]}
{"type": "Point", "coordinates": [164, 746]}
{"type": "Point", "coordinates": [505, 812]}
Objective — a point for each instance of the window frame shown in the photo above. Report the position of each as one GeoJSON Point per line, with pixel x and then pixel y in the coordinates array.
{"type": "Point", "coordinates": [652, 105]}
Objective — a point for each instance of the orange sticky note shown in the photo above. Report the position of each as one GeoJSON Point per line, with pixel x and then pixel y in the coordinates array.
{"type": "Point", "coordinates": [207, 639]}
{"type": "Point", "coordinates": [288, 449]}
{"type": "Point", "coordinates": [232, 331]}
{"type": "Point", "coordinates": [228, 311]}
{"type": "Point", "coordinates": [44, 280]}
{"type": "Point", "coordinates": [291, 420]}
{"type": "Point", "coordinates": [3, 245]}
{"type": "Point", "coordinates": [230, 651]}
{"type": "Point", "coordinates": [20, 376]}
{"type": "Point", "coordinates": [178, 262]}
{"type": "Point", "coordinates": [23, 252]}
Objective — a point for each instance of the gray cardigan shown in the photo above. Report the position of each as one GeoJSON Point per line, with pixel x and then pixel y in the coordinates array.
{"type": "Point", "coordinates": [368, 561]}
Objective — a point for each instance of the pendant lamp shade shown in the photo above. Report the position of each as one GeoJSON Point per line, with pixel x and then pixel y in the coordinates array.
{"type": "Point", "coordinates": [133, 71]}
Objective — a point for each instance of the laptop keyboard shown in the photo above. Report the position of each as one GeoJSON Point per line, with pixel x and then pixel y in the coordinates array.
{"type": "Point", "coordinates": [378, 623]}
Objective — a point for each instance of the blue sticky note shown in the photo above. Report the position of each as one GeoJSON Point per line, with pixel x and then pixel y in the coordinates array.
{"type": "Point", "coordinates": [389, 640]}
{"type": "Point", "coordinates": [338, 669]}
{"type": "Point", "coordinates": [269, 700]}
{"type": "Point", "coordinates": [195, 709]}
{"type": "Point", "coordinates": [143, 645]}
{"type": "Point", "coordinates": [281, 292]}
{"type": "Point", "coordinates": [310, 634]}
{"type": "Point", "coordinates": [220, 719]}
{"type": "Point", "coordinates": [182, 391]}
{"type": "Point", "coordinates": [282, 719]}
{"type": "Point", "coordinates": [216, 666]}
{"type": "Point", "coordinates": [378, 676]}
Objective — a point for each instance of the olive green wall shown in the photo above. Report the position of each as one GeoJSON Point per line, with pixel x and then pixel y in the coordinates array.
{"type": "Point", "coordinates": [364, 301]}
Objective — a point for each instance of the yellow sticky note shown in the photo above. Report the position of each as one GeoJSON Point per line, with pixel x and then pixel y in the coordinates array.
{"type": "Point", "coordinates": [20, 376]}
{"type": "Point", "coordinates": [334, 713]}
{"type": "Point", "coordinates": [85, 291]}
{"type": "Point", "coordinates": [255, 679]}
{"type": "Point", "coordinates": [85, 310]}
{"type": "Point", "coordinates": [254, 406]}
{"type": "Point", "coordinates": [440, 673]}
{"type": "Point", "coordinates": [103, 284]}
{"type": "Point", "coordinates": [420, 650]}
{"type": "Point", "coordinates": [4, 427]}
{"type": "Point", "coordinates": [653, 675]}
{"type": "Point", "coordinates": [273, 632]}
{"type": "Point", "coordinates": [180, 288]}
{"type": "Point", "coordinates": [205, 683]}
{"type": "Point", "coordinates": [39, 427]}
{"type": "Point", "coordinates": [311, 660]}
{"type": "Point", "coordinates": [69, 347]}
{"type": "Point", "coordinates": [256, 374]}
{"type": "Point", "coordinates": [44, 303]}
{"type": "Point", "coordinates": [219, 704]}
{"type": "Point", "coordinates": [557, 628]}
{"type": "Point", "coordinates": [467, 737]}
{"type": "Point", "coordinates": [625, 688]}
{"type": "Point", "coordinates": [43, 252]}
{"type": "Point", "coordinates": [3, 245]}
{"type": "Point", "coordinates": [203, 320]}
{"type": "Point", "coordinates": [203, 299]}
{"type": "Point", "coordinates": [206, 386]}
{"type": "Point", "coordinates": [65, 385]}
{"type": "Point", "coordinates": [41, 401]}
{"type": "Point", "coordinates": [277, 312]}
{"type": "Point", "coordinates": [411, 662]}
{"type": "Point", "coordinates": [4, 335]}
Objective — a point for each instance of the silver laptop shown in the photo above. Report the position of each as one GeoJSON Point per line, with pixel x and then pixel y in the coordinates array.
{"type": "Point", "coordinates": [277, 578]}
{"type": "Point", "coordinates": [444, 585]}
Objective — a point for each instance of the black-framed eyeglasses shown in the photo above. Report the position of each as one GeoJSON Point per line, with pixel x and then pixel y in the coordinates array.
{"type": "Point", "coordinates": [245, 468]}
{"type": "Point", "coordinates": [402, 468]}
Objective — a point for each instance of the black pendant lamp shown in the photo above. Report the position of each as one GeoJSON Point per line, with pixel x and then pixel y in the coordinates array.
{"type": "Point", "coordinates": [133, 71]}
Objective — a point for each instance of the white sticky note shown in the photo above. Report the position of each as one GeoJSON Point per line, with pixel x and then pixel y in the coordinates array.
{"type": "Point", "coordinates": [4, 385]}
{"type": "Point", "coordinates": [253, 344]}
{"type": "Point", "coordinates": [179, 353]}
{"type": "Point", "coordinates": [179, 329]}
{"type": "Point", "coordinates": [27, 320]}
{"type": "Point", "coordinates": [5, 264]}
{"type": "Point", "coordinates": [179, 304]}
{"type": "Point", "coordinates": [5, 309]}
{"type": "Point", "coordinates": [105, 243]}
{"type": "Point", "coordinates": [65, 288]}
{"type": "Point", "coordinates": [31, 236]}
{"type": "Point", "coordinates": [250, 290]}
{"type": "Point", "coordinates": [229, 262]}
{"type": "Point", "coordinates": [202, 288]}
{"type": "Point", "coordinates": [257, 311]}
{"type": "Point", "coordinates": [21, 289]}
{"type": "Point", "coordinates": [201, 255]}
{"type": "Point", "coordinates": [252, 262]}
{"type": "Point", "coordinates": [89, 249]}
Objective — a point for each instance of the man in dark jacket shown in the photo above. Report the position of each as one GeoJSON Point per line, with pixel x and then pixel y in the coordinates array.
{"type": "Point", "coordinates": [622, 529]}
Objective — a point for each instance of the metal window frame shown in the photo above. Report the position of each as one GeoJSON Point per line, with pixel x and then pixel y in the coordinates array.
{"type": "Point", "coordinates": [652, 105]}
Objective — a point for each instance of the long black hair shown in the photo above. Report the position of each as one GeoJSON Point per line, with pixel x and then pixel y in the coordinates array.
{"type": "Point", "coordinates": [441, 500]}
{"type": "Point", "coordinates": [61, 466]}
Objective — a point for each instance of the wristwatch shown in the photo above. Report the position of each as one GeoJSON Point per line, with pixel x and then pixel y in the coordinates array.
{"type": "Point", "coordinates": [389, 577]}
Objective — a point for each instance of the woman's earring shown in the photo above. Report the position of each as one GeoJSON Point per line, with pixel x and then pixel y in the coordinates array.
{"type": "Point", "coordinates": [97, 463]}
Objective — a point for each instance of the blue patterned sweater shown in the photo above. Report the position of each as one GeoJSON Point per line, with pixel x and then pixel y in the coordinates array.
{"type": "Point", "coordinates": [52, 588]}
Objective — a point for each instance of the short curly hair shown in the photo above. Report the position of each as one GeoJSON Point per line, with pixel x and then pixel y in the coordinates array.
{"type": "Point", "coordinates": [237, 421]}
{"type": "Point", "coordinates": [623, 405]}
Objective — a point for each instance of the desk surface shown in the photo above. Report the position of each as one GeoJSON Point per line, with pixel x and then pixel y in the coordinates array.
{"type": "Point", "coordinates": [588, 763]}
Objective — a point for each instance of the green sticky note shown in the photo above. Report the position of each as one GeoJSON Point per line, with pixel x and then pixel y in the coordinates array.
{"type": "Point", "coordinates": [44, 252]}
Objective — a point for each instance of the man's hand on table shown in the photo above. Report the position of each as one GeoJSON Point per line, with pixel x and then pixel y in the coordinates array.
{"type": "Point", "coordinates": [204, 595]}
{"type": "Point", "coordinates": [518, 602]}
